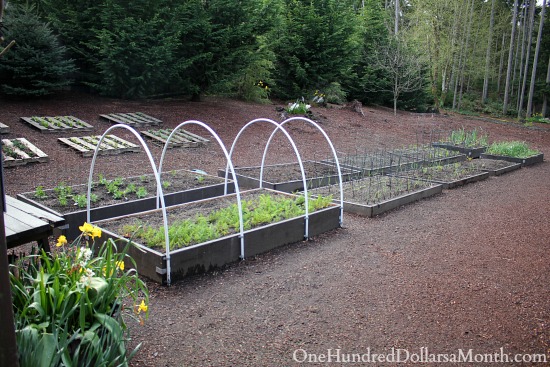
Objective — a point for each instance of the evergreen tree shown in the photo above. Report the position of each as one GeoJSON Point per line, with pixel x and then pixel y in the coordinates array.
{"type": "Point", "coordinates": [316, 46]}
{"type": "Point", "coordinates": [36, 65]}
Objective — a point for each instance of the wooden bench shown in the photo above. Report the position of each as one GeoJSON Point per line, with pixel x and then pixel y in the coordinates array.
{"type": "Point", "coordinates": [25, 223]}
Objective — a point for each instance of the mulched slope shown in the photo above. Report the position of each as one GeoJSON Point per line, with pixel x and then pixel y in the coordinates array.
{"type": "Point", "coordinates": [466, 269]}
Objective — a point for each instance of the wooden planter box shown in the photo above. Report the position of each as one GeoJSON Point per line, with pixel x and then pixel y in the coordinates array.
{"type": "Point", "coordinates": [452, 184]}
{"type": "Point", "coordinates": [539, 158]}
{"type": "Point", "coordinates": [503, 168]}
{"type": "Point", "coordinates": [386, 205]}
{"type": "Point", "coordinates": [136, 119]}
{"type": "Point", "coordinates": [293, 185]}
{"type": "Point", "coordinates": [29, 153]}
{"type": "Point", "coordinates": [217, 253]}
{"type": "Point", "coordinates": [472, 152]}
{"type": "Point", "coordinates": [48, 124]}
{"type": "Point", "coordinates": [76, 217]}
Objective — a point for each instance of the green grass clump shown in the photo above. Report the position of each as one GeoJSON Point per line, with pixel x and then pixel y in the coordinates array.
{"type": "Point", "coordinates": [516, 149]}
{"type": "Point", "coordinates": [469, 139]}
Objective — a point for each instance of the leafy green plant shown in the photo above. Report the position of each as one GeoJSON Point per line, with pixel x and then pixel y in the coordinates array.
{"type": "Point", "coordinates": [81, 200]}
{"type": "Point", "coordinates": [141, 192]}
{"type": "Point", "coordinates": [538, 117]}
{"type": "Point", "coordinates": [71, 307]}
{"type": "Point", "coordinates": [298, 108]}
{"type": "Point", "coordinates": [517, 149]}
{"type": "Point", "coordinates": [63, 192]}
{"type": "Point", "coordinates": [39, 192]}
{"type": "Point", "coordinates": [166, 184]}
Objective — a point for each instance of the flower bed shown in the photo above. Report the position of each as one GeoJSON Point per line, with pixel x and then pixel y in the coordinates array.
{"type": "Point", "coordinates": [375, 195]}
{"type": "Point", "coordinates": [20, 151]}
{"type": "Point", "coordinates": [136, 119]}
{"type": "Point", "coordinates": [270, 231]}
{"type": "Point", "coordinates": [71, 306]}
{"type": "Point", "coordinates": [48, 124]}
{"type": "Point", "coordinates": [111, 144]}
{"type": "Point", "coordinates": [122, 196]}
{"type": "Point", "coordinates": [287, 177]}
{"type": "Point", "coordinates": [449, 175]}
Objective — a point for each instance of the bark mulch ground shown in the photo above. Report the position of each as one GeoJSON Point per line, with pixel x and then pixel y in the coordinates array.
{"type": "Point", "coordinates": [468, 269]}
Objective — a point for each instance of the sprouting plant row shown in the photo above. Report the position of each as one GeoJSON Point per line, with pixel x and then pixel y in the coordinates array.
{"type": "Point", "coordinates": [201, 228]}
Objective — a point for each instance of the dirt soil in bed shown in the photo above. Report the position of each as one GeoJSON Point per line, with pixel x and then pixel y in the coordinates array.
{"type": "Point", "coordinates": [466, 270]}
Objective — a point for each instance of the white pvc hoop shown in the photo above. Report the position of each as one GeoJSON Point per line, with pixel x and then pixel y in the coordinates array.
{"type": "Point", "coordinates": [230, 164]}
{"type": "Point", "coordinates": [277, 127]}
{"type": "Point", "coordinates": [157, 178]}
{"type": "Point", "coordinates": [331, 147]}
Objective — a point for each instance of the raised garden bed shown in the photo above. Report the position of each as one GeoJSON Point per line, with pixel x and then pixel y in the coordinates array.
{"type": "Point", "coordinates": [471, 143]}
{"type": "Point", "coordinates": [122, 196]}
{"type": "Point", "coordinates": [377, 163]}
{"type": "Point", "coordinates": [181, 138]}
{"type": "Point", "coordinates": [287, 177]}
{"type": "Point", "coordinates": [374, 195]}
{"type": "Point", "coordinates": [20, 151]}
{"type": "Point", "coordinates": [528, 161]}
{"type": "Point", "coordinates": [48, 124]}
{"type": "Point", "coordinates": [135, 119]}
{"type": "Point", "coordinates": [470, 152]}
{"type": "Point", "coordinates": [4, 129]}
{"type": "Point", "coordinates": [111, 144]}
{"type": "Point", "coordinates": [429, 155]}
{"type": "Point", "coordinates": [495, 167]}
{"type": "Point", "coordinates": [449, 175]}
{"type": "Point", "coordinates": [215, 253]}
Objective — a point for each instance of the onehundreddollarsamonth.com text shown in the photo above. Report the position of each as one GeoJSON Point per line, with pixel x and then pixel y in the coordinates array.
{"type": "Point", "coordinates": [422, 355]}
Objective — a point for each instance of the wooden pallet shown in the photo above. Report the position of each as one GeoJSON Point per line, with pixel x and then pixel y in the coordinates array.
{"type": "Point", "coordinates": [136, 119]}
{"type": "Point", "coordinates": [29, 153]}
{"type": "Point", "coordinates": [4, 129]}
{"type": "Point", "coordinates": [54, 124]}
{"type": "Point", "coordinates": [181, 138]}
{"type": "Point", "coordinates": [111, 144]}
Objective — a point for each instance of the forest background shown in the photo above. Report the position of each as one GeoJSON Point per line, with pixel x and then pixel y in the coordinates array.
{"type": "Point", "coordinates": [471, 56]}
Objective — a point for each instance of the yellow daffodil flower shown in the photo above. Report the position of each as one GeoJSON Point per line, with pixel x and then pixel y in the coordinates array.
{"type": "Point", "coordinates": [61, 240]}
{"type": "Point", "coordinates": [143, 307]}
{"type": "Point", "coordinates": [120, 265]}
{"type": "Point", "coordinates": [90, 230]}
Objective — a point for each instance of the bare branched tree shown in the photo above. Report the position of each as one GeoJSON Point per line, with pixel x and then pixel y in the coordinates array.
{"type": "Point", "coordinates": [403, 67]}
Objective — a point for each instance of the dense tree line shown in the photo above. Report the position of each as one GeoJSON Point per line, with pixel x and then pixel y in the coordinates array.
{"type": "Point", "coordinates": [461, 54]}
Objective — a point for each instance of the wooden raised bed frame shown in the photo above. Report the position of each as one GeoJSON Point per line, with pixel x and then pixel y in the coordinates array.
{"type": "Point", "coordinates": [217, 253]}
{"type": "Point", "coordinates": [529, 161]}
{"type": "Point", "coordinates": [77, 217]}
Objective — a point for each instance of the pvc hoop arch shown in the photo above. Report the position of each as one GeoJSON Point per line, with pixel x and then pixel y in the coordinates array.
{"type": "Point", "coordinates": [157, 178]}
{"type": "Point", "coordinates": [277, 127]}
{"type": "Point", "coordinates": [237, 191]}
{"type": "Point", "coordinates": [333, 153]}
